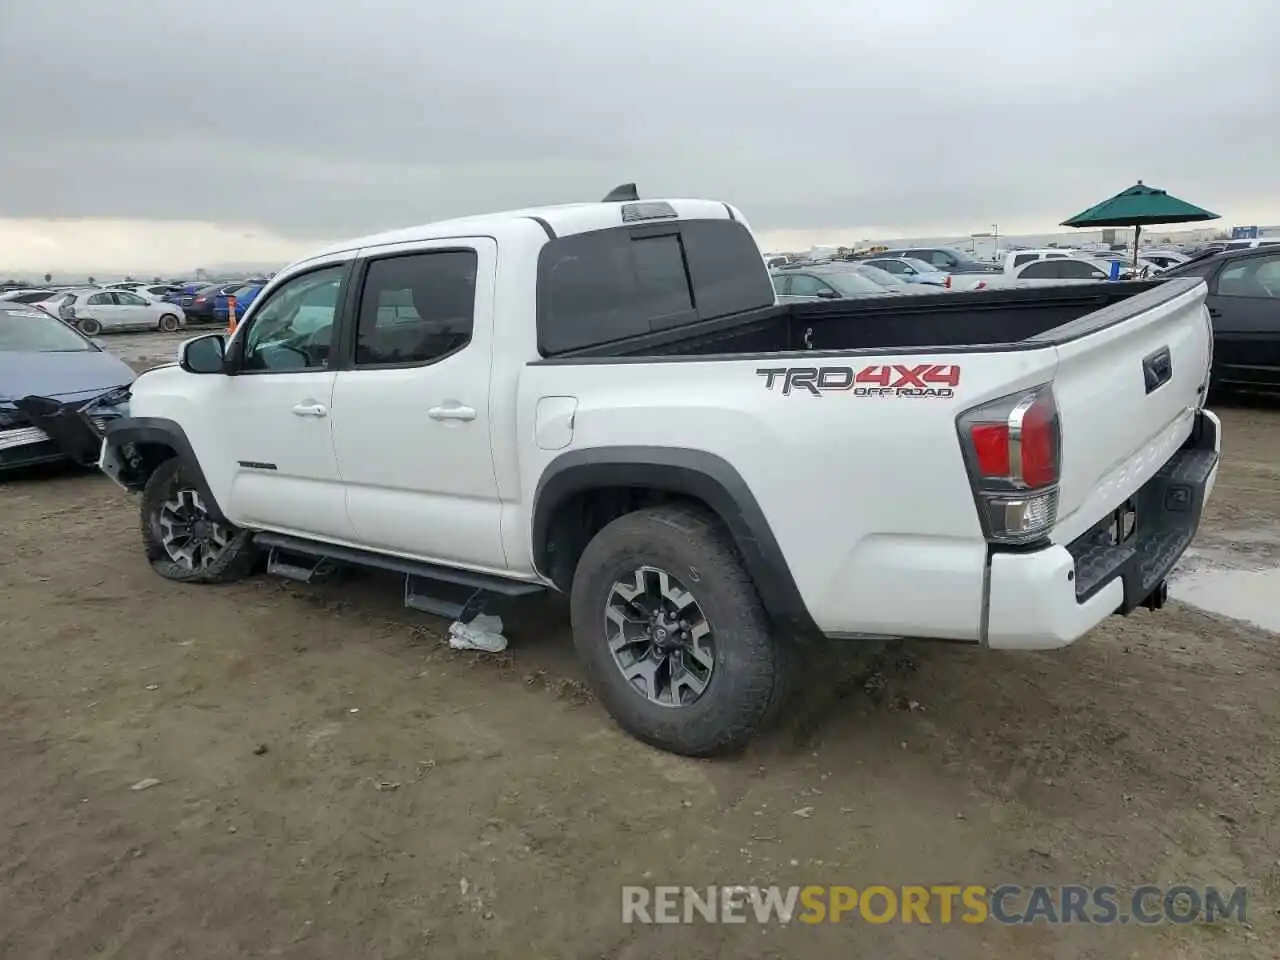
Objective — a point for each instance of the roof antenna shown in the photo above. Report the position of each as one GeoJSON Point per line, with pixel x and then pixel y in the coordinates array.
{"type": "Point", "coordinates": [621, 193]}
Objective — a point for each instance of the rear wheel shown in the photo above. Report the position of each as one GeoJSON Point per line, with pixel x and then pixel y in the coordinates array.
{"type": "Point", "coordinates": [182, 540]}
{"type": "Point", "coordinates": [89, 327]}
{"type": "Point", "coordinates": [673, 636]}
{"type": "Point", "coordinates": [168, 323]}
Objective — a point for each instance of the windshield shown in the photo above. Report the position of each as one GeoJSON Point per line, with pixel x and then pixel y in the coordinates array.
{"type": "Point", "coordinates": [30, 331]}
{"type": "Point", "coordinates": [921, 266]}
{"type": "Point", "coordinates": [853, 284]}
{"type": "Point", "coordinates": [881, 277]}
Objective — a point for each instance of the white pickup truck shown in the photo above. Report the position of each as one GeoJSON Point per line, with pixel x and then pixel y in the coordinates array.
{"type": "Point", "coordinates": [605, 399]}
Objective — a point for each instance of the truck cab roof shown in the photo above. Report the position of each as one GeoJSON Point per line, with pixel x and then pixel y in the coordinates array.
{"type": "Point", "coordinates": [558, 220]}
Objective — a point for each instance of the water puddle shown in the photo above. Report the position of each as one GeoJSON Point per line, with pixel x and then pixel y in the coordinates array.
{"type": "Point", "coordinates": [1237, 576]}
{"type": "Point", "coordinates": [1252, 595]}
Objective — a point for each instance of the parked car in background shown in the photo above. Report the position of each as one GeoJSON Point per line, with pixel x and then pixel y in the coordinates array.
{"type": "Point", "coordinates": [209, 304]}
{"type": "Point", "coordinates": [157, 291]}
{"type": "Point", "coordinates": [43, 358]}
{"type": "Point", "coordinates": [96, 311]}
{"type": "Point", "coordinates": [1164, 259]}
{"type": "Point", "coordinates": [23, 295]}
{"type": "Point", "coordinates": [55, 299]}
{"type": "Point", "coordinates": [1232, 245]}
{"type": "Point", "coordinates": [1054, 271]}
{"type": "Point", "coordinates": [944, 258]}
{"type": "Point", "coordinates": [910, 270]}
{"type": "Point", "coordinates": [186, 293]}
{"type": "Point", "coordinates": [826, 281]}
{"type": "Point", "coordinates": [885, 279]}
{"type": "Point", "coordinates": [1244, 307]}
{"type": "Point", "coordinates": [244, 297]}
{"type": "Point", "coordinates": [1017, 258]}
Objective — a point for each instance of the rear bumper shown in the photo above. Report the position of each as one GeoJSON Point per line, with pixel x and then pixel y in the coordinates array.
{"type": "Point", "coordinates": [1049, 598]}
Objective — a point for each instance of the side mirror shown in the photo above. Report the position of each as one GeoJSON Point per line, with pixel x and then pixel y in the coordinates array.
{"type": "Point", "coordinates": [203, 354]}
{"type": "Point", "coordinates": [828, 294]}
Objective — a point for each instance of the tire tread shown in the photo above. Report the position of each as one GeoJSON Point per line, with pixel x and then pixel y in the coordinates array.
{"type": "Point", "coordinates": [757, 665]}
{"type": "Point", "coordinates": [235, 564]}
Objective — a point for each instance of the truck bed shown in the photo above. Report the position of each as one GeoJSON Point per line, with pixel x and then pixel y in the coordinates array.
{"type": "Point", "coordinates": [979, 320]}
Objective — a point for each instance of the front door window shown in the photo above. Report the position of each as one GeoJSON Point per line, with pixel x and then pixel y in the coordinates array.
{"type": "Point", "coordinates": [293, 329]}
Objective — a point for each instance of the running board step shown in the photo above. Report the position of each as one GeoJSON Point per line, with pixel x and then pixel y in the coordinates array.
{"type": "Point", "coordinates": [306, 570]}
{"type": "Point", "coordinates": [414, 568]}
{"type": "Point", "coordinates": [448, 600]}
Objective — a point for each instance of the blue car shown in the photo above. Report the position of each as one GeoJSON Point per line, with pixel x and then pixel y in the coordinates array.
{"type": "Point", "coordinates": [244, 296]}
{"type": "Point", "coordinates": [58, 389]}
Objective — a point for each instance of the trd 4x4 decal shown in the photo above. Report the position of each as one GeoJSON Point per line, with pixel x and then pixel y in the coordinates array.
{"type": "Point", "coordinates": [878, 380]}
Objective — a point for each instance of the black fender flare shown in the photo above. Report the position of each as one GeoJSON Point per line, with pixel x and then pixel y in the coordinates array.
{"type": "Point", "coordinates": [164, 432]}
{"type": "Point", "coordinates": [692, 473]}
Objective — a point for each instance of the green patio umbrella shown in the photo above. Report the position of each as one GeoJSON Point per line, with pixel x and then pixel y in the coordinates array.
{"type": "Point", "coordinates": [1136, 207]}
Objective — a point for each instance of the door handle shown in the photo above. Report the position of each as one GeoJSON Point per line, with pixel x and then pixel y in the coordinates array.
{"type": "Point", "coordinates": [311, 410]}
{"type": "Point", "coordinates": [1215, 312]}
{"type": "Point", "coordinates": [452, 411]}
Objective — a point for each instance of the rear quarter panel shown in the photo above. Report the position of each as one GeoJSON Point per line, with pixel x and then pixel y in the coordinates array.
{"type": "Point", "coordinates": [867, 495]}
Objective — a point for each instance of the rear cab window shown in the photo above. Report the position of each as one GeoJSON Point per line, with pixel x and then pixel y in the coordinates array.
{"type": "Point", "coordinates": [607, 285]}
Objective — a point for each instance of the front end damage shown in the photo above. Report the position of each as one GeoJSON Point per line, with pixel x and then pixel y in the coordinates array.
{"type": "Point", "coordinates": [45, 428]}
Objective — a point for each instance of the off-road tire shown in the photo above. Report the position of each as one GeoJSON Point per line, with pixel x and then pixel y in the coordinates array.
{"type": "Point", "coordinates": [751, 665]}
{"type": "Point", "coordinates": [169, 323]}
{"type": "Point", "coordinates": [89, 327]}
{"type": "Point", "coordinates": [238, 557]}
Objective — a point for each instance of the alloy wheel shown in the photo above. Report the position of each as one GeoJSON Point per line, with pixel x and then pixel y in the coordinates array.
{"type": "Point", "coordinates": [659, 637]}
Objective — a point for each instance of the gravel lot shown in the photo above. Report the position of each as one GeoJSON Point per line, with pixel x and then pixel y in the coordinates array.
{"type": "Point", "coordinates": [335, 782]}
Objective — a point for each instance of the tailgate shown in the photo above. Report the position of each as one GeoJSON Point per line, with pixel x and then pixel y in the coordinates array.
{"type": "Point", "coordinates": [1128, 383]}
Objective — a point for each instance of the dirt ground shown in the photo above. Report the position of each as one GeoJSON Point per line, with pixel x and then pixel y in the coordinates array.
{"type": "Point", "coordinates": [335, 782]}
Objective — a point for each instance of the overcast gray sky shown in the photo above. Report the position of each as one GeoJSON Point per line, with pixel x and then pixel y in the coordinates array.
{"type": "Point", "coordinates": [258, 124]}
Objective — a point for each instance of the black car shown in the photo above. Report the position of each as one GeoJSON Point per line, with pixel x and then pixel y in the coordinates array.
{"type": "Point", "coordinates": [203, 304]}
{"type": "Point", "coordinates": [1244, 305]}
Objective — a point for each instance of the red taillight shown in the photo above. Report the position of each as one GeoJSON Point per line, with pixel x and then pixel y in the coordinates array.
{"type": "Point", "coordinates": [200, 299]}
{"type": "Point", "coordinates": [991, 445]}
{"type": "Point", "coordinates": [1012, 447]}
{"type": "Point", "coordinates": [1040, 443]}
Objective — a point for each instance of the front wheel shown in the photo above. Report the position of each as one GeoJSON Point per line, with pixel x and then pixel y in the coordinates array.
{"type": "Point", "coordinates": [674, 639]}
{"type": "Point", "coordinates": [89, 327]}
{"type": "Point", "coordinates": [182, 540]}
{"type": "Point", "coordinates": [169, 323]}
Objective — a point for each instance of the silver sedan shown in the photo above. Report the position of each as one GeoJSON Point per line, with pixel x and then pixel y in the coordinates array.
{"type": "Point", "coordinates": [95, 311]}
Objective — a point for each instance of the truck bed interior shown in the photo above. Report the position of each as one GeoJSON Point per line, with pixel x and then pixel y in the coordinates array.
{"type": "Point", "coordinates": [944, 320]}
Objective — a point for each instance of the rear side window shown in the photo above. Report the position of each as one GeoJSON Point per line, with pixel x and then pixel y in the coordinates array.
{"type": "Point", "coordinates": [417, 308]}
{"type": "Point", "coordinates": [608, 285]}
{"type": "Point", "coordinates": [1041, 270]}
{"type": "Point", "coordinates": [1079, 270]}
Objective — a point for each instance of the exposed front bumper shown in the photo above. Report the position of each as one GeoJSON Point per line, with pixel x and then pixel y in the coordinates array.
{"type": "Point", "coordinates": [56, 430]}
{"type": "Point", "coordinates": [1049, 598]}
